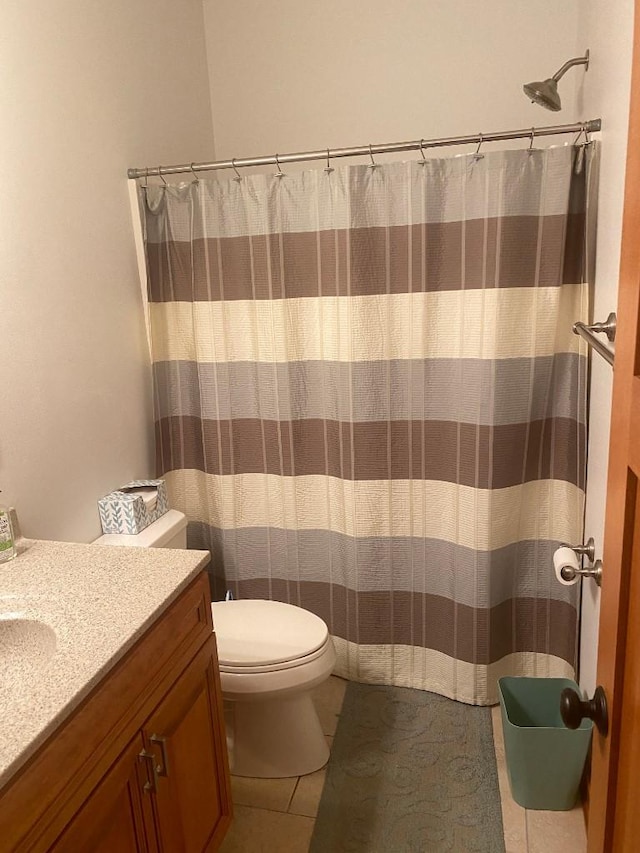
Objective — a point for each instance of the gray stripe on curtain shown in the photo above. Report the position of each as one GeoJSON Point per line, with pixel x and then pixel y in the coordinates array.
{"type": "Point", "coordinates": [237, 560]}
{"type": "Point", "coordinates": [430, 389]}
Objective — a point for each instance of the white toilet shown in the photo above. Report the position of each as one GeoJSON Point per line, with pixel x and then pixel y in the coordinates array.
{"type": "Point", "coordinates": [271, 655]}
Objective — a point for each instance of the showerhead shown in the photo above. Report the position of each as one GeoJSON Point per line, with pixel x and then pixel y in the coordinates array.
{"type": "Point", "coordinates": [545, 92]}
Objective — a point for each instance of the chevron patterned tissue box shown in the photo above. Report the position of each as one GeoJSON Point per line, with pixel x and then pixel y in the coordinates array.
{"type": "Point", "coordinates": [133, 507]}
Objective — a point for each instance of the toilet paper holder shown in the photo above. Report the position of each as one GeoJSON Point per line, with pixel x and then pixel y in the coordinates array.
{"type": "Point", "coordinates": [594, 571]}
{"type": "Point", "coordinates": [587, 550]}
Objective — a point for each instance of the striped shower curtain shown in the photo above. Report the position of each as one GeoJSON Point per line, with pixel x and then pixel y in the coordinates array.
{"type": "Point", "coordinates": [369, 402]}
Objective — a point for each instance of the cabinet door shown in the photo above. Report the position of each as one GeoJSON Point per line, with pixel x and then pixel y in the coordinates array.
{"type": "Point", "coordinates": [118, 814]}
{"type": "Point", "coordinates": [185, 733]}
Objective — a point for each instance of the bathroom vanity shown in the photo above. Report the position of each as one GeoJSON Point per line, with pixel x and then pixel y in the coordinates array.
{"type": "Point", "coordinates": [111, 727]}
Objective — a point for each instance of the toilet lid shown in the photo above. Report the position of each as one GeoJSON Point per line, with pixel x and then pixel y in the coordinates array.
{"type": "Point", "coordinates": [259, 633]}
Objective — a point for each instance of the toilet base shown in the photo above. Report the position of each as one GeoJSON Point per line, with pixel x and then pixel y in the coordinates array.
{"type": "Point", "coordinates": [274, 738]}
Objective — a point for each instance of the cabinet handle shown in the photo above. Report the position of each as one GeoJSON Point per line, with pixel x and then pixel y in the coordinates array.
{"type": "Point", "coordinates": [162, 743]}
{"type": "Point", "coordinates": [151, 785]}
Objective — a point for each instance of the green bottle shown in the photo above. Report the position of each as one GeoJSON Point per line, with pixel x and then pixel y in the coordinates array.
{"type": "Point", "coordinates": [7, 541]}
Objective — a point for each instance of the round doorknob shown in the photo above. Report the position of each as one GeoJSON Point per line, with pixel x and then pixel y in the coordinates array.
{"type": "Point", "coordinates": [573, 709]}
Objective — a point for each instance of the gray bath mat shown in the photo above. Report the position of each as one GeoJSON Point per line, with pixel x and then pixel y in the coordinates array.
{"type": "Point", "coordinates": [409, 771]}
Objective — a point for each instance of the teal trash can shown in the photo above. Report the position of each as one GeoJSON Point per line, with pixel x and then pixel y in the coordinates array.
{"type": "Point", "coordinates": [545, 759]}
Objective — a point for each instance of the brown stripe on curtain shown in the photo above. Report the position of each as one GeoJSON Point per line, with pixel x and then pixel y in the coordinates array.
{"type": "Point", "coordinates": [497, 253]}
{"type": "Point", "coordinates": [480, 455]}
{"type": "Point", "coordinates": [421, 619]}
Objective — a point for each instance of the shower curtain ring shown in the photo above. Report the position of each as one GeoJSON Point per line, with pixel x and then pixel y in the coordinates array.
{"type": "Point", "coordinates": [162, 176]}
{"type": "Point", "coordinates": [373, 164]}
{"type": "Point", "coordinates": [238, 176]}
{"type": "Point", "coordinates": [193, 171]}
{"type": "Point", "coordinates": [279, 173]}
{"type": "Point", "coordinates": [146, 178]}
{"type": "Point", "coordinates": [582, 130]}
{"type": "Point", "coordinates": [478, 155]}
{"type": "Point", "coordinates": [329, 168]}
{"type": "Point", "coordinates": [424, 159]}
{"type": "Point", "coordinates": [531, 149]}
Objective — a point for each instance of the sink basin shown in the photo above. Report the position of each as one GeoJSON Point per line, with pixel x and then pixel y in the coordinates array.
{"type": "Point", "coordinates": [25, 644]}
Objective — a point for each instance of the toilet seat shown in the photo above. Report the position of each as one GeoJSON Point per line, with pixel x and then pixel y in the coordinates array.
{"type": "Point", "coordinates": [275, 667]}
{"type": "Point", "coordinates": [255, 685]}
{"type": "Point", "coordinates": [266, 636]}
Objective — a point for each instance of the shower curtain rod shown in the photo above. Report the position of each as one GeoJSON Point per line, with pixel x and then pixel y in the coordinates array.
{"type": "Point", "coordinates": [329, 154]}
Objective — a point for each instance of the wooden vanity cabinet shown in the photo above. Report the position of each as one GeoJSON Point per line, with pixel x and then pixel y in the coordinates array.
{"type": "Point", "coordinates": [158, 780]}
{"type": "Point", "coordinates": [117, 815]}
{"type": "Point", "coordinates": [181, 736]}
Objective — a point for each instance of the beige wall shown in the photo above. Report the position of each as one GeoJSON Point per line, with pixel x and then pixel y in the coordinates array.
{"type": "Point", "coordinates": [607, 27]}
{"type": "Point", "coordinates": [86, 90]}
{"type": "Point", "coordinates": [289, 76]}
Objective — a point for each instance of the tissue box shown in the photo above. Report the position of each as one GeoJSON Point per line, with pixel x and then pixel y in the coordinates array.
{"type": "Point", "coordinates": [133, 507]}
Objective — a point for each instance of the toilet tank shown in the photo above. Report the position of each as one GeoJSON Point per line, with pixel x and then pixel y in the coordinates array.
{"type": "Point", "coordinates": [169, 531]}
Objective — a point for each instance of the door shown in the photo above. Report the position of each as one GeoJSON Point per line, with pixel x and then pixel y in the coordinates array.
{"type": "Point", "coordinates": [117, 812]}
{"type": "Point", "coordinates": [192, 802]}
{"type": "Point", "coordinates": [614, 813]}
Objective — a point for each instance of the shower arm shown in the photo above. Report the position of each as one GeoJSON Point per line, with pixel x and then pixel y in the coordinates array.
{"type": "Point", "coordinates": [578, 60]}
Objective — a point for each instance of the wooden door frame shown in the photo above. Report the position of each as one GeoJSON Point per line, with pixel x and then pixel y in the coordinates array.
{"type": "Point", "coordinates": [624, 462]}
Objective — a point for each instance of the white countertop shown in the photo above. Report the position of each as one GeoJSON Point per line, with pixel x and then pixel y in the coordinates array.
{"type": "Point", "coordinates": [91, 603]}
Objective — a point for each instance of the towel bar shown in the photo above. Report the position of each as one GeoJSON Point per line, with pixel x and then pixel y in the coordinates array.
{"type": "Point", "coordinates": [589, 333]}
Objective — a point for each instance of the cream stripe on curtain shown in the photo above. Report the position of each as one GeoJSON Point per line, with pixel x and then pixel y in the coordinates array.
{"type": "Point", "coordinates": [369, 402]}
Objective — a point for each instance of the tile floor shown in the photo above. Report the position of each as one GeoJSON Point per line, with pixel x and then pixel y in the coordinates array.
{"type": "Point", "coordinates": [277, 815]}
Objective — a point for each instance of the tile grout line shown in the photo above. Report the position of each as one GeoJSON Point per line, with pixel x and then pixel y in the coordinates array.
{"type": "Point", "coordinates": [293, 793]}
{"type": "Point", "coordinates": [275, 811]}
